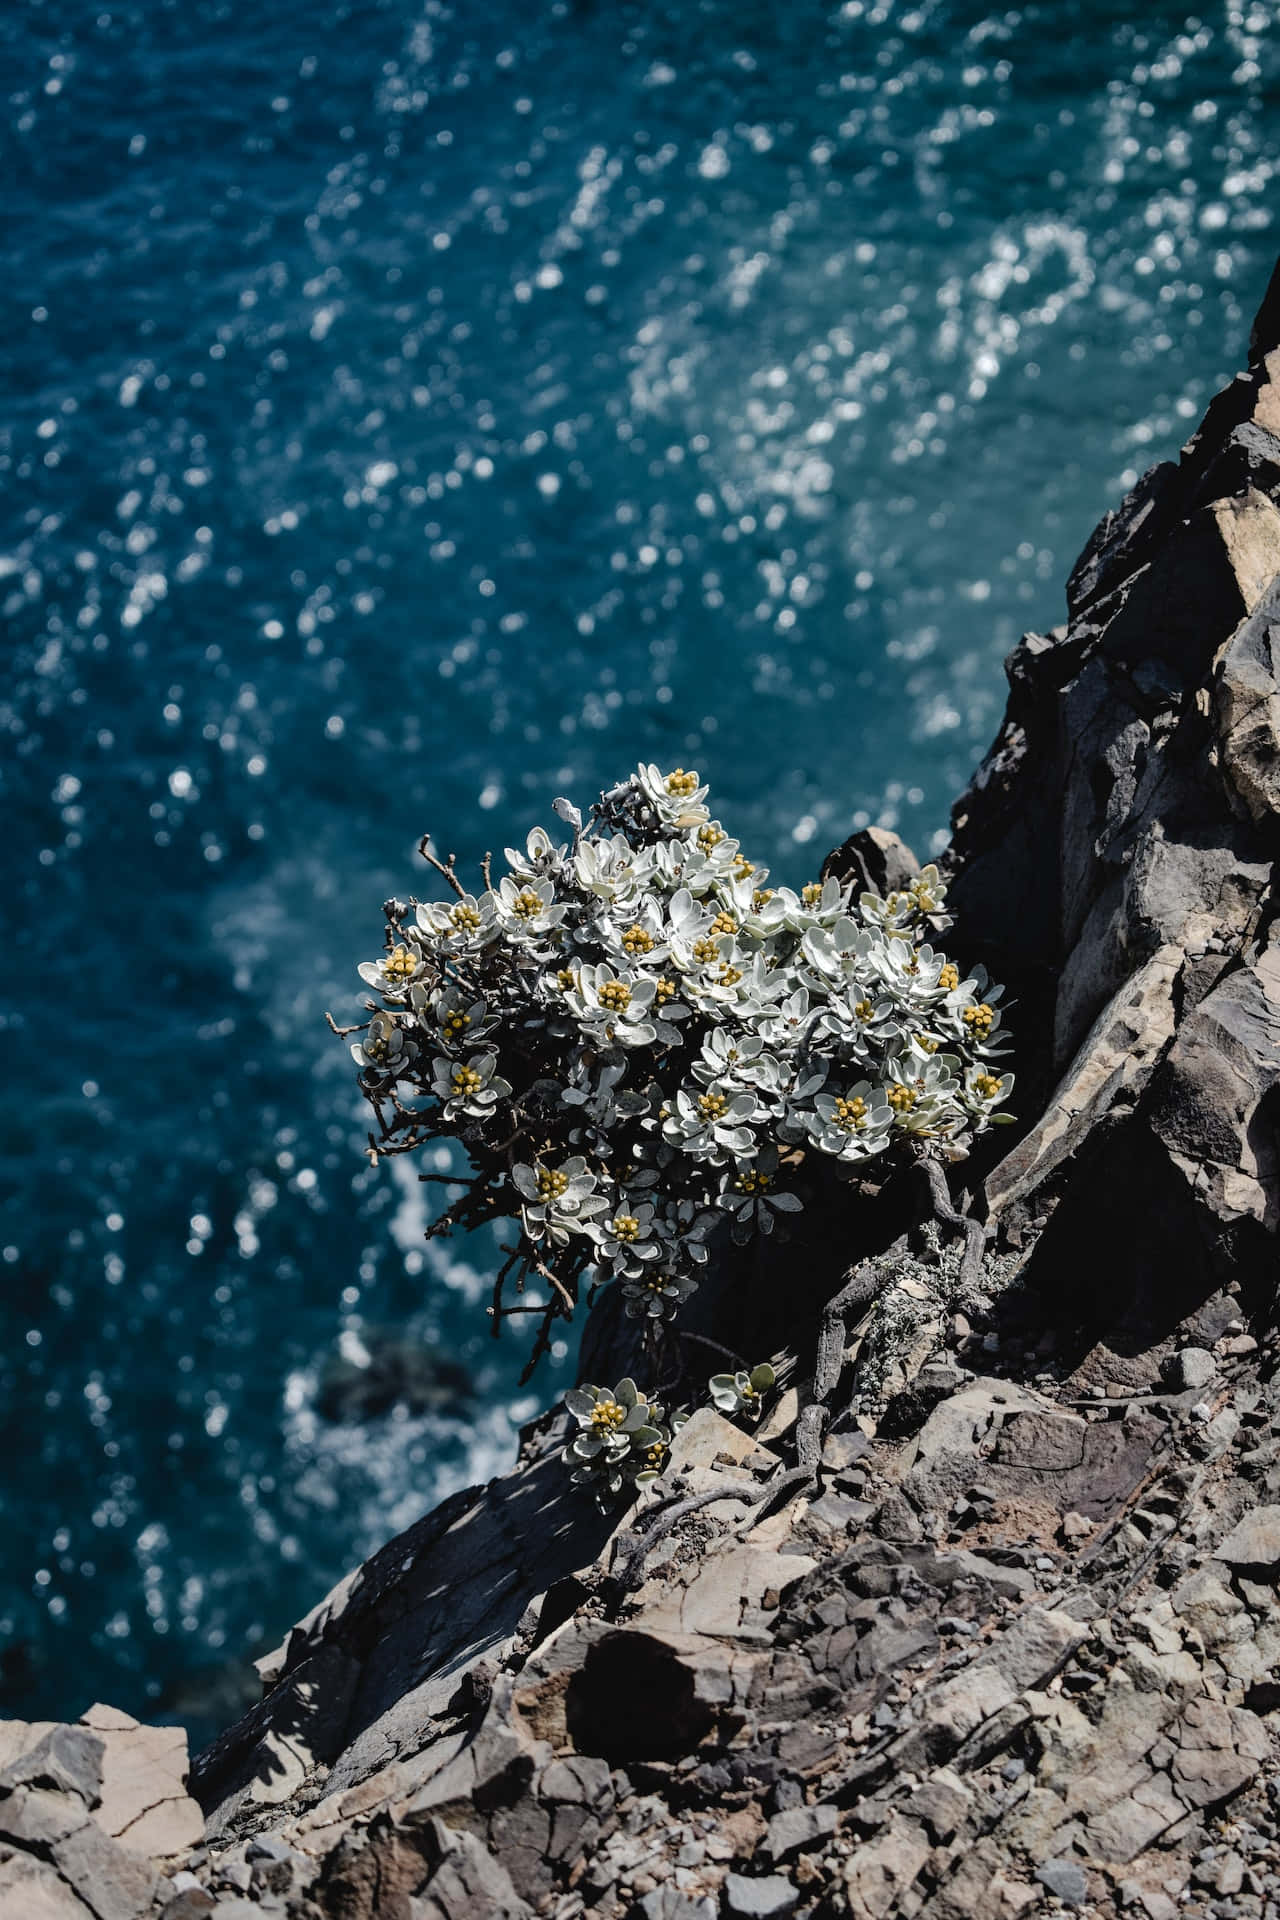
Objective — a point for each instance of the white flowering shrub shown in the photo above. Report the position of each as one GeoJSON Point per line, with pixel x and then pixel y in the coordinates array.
{"type": "Point", "coordinates": [641, 1045]}
{"type": "Point", "coordinates": [622, 1438]}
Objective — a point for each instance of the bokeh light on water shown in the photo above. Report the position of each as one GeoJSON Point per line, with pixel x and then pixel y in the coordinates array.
{"type": "Point", "coordinates": [415, 412]}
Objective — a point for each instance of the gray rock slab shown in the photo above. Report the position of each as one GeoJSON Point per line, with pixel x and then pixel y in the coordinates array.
{"type": "Point", "coordinates": [1066, 1878]}
{"type": "Point", "coordinates": [752, 1899]}
{"type": "Point", "coordinates": [1254, 1541]}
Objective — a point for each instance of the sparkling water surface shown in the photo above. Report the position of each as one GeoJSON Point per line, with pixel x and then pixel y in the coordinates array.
{"type": "Point", "coordinates": [411, 413]}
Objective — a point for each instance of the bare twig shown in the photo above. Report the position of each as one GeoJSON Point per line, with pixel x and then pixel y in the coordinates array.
{"type": "Point", "coordinates": [726, 1353]}
{"type": "Point", "coordinates": [937, 1198]}
{"type": "Point", "coordinates": [445, 870]}
{"type": "Point", "coordinates": [634, 1550]}
{"type": "Point", "coordinates": [559, 1286]}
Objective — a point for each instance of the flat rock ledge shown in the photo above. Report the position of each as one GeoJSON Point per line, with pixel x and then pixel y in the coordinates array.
{"type": "Point", "coordinates": [1018, 1651]}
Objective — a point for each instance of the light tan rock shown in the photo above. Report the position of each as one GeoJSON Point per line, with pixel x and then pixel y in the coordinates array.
{"type": "Point", "coordinates": [145, 1803]}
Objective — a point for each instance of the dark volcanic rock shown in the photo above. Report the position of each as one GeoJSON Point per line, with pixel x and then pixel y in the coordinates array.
{"type": "Point", "coordinates": [1015, 1649]}
{"type": "Point", "coordinates": [393, 1370]}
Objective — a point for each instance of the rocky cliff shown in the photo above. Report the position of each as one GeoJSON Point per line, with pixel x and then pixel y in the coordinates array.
{"type": "Point", "coordinates": [1005, 1640]}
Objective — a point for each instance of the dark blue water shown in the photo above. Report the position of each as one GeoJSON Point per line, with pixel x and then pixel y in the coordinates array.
{"type": "Point", "coordinates": [412, 412]}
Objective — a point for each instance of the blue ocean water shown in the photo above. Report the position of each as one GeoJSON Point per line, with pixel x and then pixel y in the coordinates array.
{"type": "Point", "coordinates": [413, 412]}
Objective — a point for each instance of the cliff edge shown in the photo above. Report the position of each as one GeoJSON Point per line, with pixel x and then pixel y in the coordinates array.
{"type": "Point", "coordinates": [1011, 1645]}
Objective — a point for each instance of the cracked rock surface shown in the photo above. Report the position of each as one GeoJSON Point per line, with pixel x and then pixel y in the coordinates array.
{"type": "Point", "coordinates": [1017, 1649]}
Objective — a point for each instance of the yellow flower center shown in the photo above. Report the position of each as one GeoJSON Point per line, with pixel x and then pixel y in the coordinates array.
{"type": "Point", "coordinates": [551, 1183]}
{"type": "Point", "coordinates": [729, 976]}
{"type": "Point", "coordinates": [466, 1081]}
{"type": "Point", "coordinates": [666, 991]}
{"type": "Point", "coordinates": [454, 1023]}
{"type": "Point", "coordinates": [901, 1099]}
{"type": "Point", "coordinates": [986, 1086]}
{"type": "Point", "coordinates": [949, 978]}
{"type": "Point", "coordinates": [465, 917]}
{"type": "Point", "coordinates": [979, 1020]}
{"type": "Point", "coordinates": [681, 784]}
{"type": "Point", "coordinates": [566, 979]}
{"type": "Point", "coordinates": [626, 1227]}
{"type": "Point", "coordinates": [724, 923]}
{"type": "Point", "coordinates": [927, 1043]}
{"type": "Point", "coordinates": [710, 836]}
{"type": "Point", "coordinates": [851, 1115]}
{"type": "Point", "coordinates": [812, 893]}
{"type": "Point", "coordinates": [615, 996]}
{"type": "Point", "coordinates": [526, 905]}
{"type": "Point", "coordinates": [864, 1009]}
{"type": "Point", "coordinates": [705, 951]}
{"type": "Point", "coordinates": [712, 1106]}
{"type": "Point", "coordinates": [743, 868]}
{"type": "Point", "coordinates": [753, 1182]}
{"type": "Point", "coordinates": [400, 964]}
{"type": "Point", "coordinates": [654, 1457]}
{"type": "Point", "coordinates": [637, 939]}
{"type": "Point", "coordinates": [607, 1416]}
{"type": "Point", "coordinates": [761, 897]}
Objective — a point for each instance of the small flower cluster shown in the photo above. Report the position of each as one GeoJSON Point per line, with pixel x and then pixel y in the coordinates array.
{"type": "Point", "coordinates": [640, 1042]}
{"type": "Point", "coordinates": [623, 1439]}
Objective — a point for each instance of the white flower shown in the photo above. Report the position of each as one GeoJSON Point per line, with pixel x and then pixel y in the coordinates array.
{"type": "Point", "coordinates": [611, 869]}
{"type": "Point", "coordinates": [709, 858]}
{"type": "Point", "coordinates": [859, 1017]}
{"type": "Point", "coordinates": [851, 1125]}
{"type": "Point", "coordinates": [821, 904]}
{"type": "Point", "coordinates": [608, 1419]}
{"type": "Point", "coordinates": [833, 954]}
{"type": "Point", "coordinates": [460, 1019]}
{"type": "Point", "coordinates": [738, 1060]}
{"type": "Point", "coordinates": [783, 1023]}
{"type": "Point", "coordinates": [751, 1197]}
{"type": "Point", "coordinates": [922, 1094]}
{"type": "Point", "coordinates": [463, 924]}
{"type": "Point", "coordinates": [528, 910]}
{"type": "Point", "coordinates": [984, 1091]}
{"type": "Point", "coordinates": [655, 1294]}
{"type": "Point", "coordinates": [396, 972]}
{"type": "Point", "coordinates": [688, 923]}
{"type": "Point", "coordinates": [469, 1087]}
{"type": "Point", "coordinates": [970, 1014]}
{"type": "Point", "coordinates": [615, 1008]}
{"type": "Point", "coordinates": [903, 910]}
{"type": "Point", "coordinates": [558, 1201]}
{"type": "Point", "coordinates": [541, 859]}
{"type": "Point", "coordinates": [385, 1054]}
{"type": "Point", "coordinates": [711, 1124]}
{"type": "Point", "coordinates": [676, 797]}
{"type": "Point", "coordinates": [630, 1238]}
{"type": "Point", "coordinates": [735, 1393]}
{"type": "Point", "coordinates": [688, 1226]}
{"type": "Point", "coordinates": [635, 938]}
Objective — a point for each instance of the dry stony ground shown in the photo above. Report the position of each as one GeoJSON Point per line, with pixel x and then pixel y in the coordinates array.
{"type": "Point", "coordinates": [1015, 1648]}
